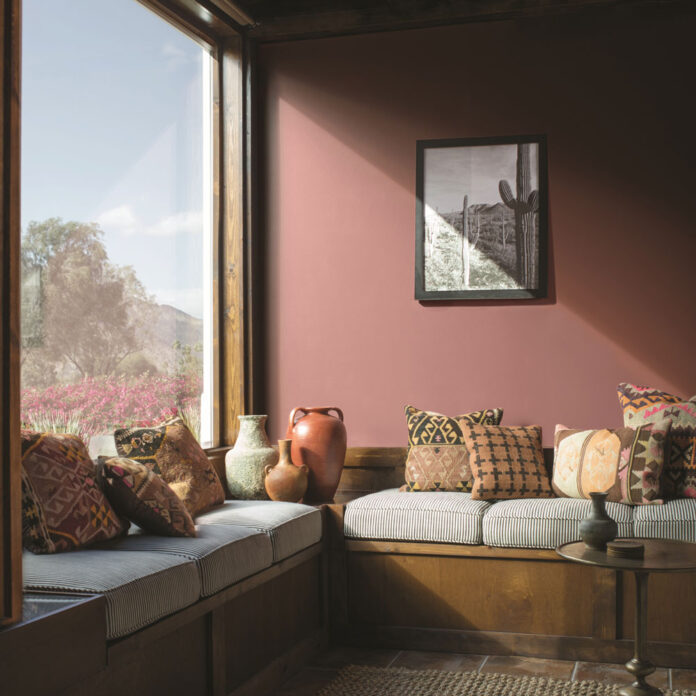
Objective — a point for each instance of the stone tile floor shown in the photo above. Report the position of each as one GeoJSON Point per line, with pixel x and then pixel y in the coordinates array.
{"type": "Point", "coordinates": [322, 670]}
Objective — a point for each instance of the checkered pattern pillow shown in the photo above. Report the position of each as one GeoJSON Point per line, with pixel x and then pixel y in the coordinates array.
{"type": "Point", "coordinates": [506, 462]}
{"type": "Point", "coordinates": [438, 459]}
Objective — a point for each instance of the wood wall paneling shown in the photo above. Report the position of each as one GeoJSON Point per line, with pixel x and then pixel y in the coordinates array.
{"type": "Point", "coordinates": [10, 514]}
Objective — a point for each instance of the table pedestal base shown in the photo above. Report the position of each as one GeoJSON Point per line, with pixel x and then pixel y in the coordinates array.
{"type": "Point", "coordinates": [639, 669]}
{"type": "Point", "coordinates": [639, 666]}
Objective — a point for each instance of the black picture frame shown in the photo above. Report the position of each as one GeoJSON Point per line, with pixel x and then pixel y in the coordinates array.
{"type": "Point", "coordinates": [514, 276]}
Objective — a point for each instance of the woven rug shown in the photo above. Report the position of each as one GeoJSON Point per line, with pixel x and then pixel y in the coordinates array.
{"type": "Point", "coordinates": [391, 681]}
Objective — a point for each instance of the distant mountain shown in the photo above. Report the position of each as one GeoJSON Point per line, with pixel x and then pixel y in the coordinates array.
{"type": "Point", "coordinates": [174, 324]}
{"type": "Point", "coordinates": [170, 324]}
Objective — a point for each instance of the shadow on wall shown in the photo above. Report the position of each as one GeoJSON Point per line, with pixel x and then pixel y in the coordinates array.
{"type": "Point", "coordinates": [621, 146]}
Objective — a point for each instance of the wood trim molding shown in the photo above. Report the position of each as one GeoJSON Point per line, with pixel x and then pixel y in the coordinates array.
{"type": "Point", "coordinates": [417, 548]}
{"type": "Point", "coordinates": [232, 10]}
{"type": "Point", "coordinates": [10, 456]}
{"type": "Point", "coordinates": [312, 20]}
{"type": "Point", "coordinates": [232, 322]}
{"type": "Point", "coordinates": [204, 20]}
{"type": "Point", "coordinates": [589, 649]}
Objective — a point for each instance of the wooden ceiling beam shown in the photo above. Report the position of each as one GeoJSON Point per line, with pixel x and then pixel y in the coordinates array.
{"type": "Point", "coordinates": [305, 19]}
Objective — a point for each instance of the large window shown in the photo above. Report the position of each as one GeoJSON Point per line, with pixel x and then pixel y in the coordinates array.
{"type": "Point", "coordinates": [118, 249]}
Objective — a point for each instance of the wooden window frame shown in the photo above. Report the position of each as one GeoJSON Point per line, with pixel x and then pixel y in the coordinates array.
{"type": "Point", "coordinates": [209, 23]}
{"type": "Point", "coordinates": [10, 483]}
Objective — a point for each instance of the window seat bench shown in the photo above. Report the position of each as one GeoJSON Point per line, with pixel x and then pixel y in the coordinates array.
{"type": "Point", "coordinates": [225, 612]}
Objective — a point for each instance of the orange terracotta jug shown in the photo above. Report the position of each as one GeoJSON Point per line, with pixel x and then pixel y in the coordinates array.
{"type": "Point", "coordinates": [285, 481]}
{"type": "Point", "coordinates": [319, 443]}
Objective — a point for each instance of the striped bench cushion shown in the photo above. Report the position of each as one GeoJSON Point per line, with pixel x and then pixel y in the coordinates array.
{"type": "Point", "coordinates": [223, 554]}
{"type": "Point", "coordinates": [291, 527]}
{"type": "Point", "coordinates": [139, 588]}
{"type": "Point", "coordinates": [676, 519]}
{"type": "Point", "coordinates": [544, 523]}
{"type": "Point", "coordinates": [435, 516]}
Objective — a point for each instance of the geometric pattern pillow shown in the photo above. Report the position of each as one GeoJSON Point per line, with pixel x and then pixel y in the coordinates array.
{"type": "Point", "coordinates": [626, 463]}
{"type": "Point", "coordinates": [507, 462]}
{"type": "Point", "coordinates": [63, 507]}
{"type": "Point", "coordinates": [438, 459]}
{"type": "Point", "coordinates": [171, 451]}
{"type": "Point", "coordinates": [143, 497]}
{"type": "Point", "coordinates": [643, 405]}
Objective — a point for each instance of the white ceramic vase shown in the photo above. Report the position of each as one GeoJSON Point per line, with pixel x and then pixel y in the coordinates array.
{"type": "Point", "coordinates": [246, 462]}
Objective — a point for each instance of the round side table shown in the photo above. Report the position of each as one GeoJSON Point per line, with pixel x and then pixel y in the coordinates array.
{"type": "Point", "coordinates": [661, 556]}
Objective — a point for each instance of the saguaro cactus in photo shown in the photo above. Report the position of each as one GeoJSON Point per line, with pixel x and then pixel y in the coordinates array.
{"type": "Point", "coordinates": [465, 243]}
{"type": "Point", "coordinates": [524, 205]}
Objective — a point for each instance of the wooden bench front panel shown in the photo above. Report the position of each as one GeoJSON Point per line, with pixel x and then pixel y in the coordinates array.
{"type": "Point", "coordinates": [269, 620]}
{"type": "Point", "coordinates": [485, 594]}
{"type": "Point", "coordinates": [671, 607]}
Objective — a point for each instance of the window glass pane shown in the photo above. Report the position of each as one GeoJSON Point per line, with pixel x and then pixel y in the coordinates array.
{"type": "Point", "coordinates": [117, 243]}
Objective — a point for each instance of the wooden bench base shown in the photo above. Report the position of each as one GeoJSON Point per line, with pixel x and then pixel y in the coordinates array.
{"type": "Point", "coordinates": [245, 640]}
{"type": "Point", "coordinates": [487, 600]}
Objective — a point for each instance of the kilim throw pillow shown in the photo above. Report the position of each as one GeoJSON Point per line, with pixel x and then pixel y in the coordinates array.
{"type": "Point", "coordinates": [506, 462]}
{"type": "Point", "coordinates": [63, 508]}
{"type": "Point", "coordinates": [437, 456]}
{"type": "Point", "coordinates": [625, 463]}
{"type": "Point", "coordinates": [171, 451]}
{"type": "Point", "coordinates": [141, 496]}
{"type": "Point", "coordinates": [643, 405]}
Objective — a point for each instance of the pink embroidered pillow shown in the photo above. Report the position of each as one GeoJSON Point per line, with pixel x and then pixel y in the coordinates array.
{"type": "Point", "coordinates": [643, 405]}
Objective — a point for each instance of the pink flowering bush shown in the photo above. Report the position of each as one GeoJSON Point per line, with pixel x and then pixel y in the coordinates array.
{"type": "Point", "coordinates": [101, 404]}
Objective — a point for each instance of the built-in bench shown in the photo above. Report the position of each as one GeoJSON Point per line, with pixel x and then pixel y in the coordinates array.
{"type": "Point", "coordinates": [230, 611]}
{"type": "Point", "coordinates": [441, 571]}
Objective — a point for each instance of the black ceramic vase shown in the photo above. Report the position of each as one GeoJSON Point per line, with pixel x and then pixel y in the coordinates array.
{"type": "Point", "coordinates": [597, 529]}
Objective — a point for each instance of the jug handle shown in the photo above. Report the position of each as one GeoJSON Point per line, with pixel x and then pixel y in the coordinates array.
{"type": "Point", "coordinates": [291, 422]}
{"type": "Point", "coordinates": [338, 411]}
{"type": "Point", "coordinates": [313, 409]}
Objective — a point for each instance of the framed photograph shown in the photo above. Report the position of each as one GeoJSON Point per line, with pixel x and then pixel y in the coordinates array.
{"type": "Point", "coordinates": [481, 218]}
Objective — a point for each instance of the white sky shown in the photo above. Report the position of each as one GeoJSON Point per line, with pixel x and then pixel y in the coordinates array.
{"type": "Point", "coordinates": [111, 133]}
{"type": "Point", "coordinates": [453, 172]}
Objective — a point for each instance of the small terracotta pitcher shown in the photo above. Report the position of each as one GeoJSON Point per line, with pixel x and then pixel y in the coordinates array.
{"type": "Point", "coordinates": [319, 442]}
{"type": "Point", "coordinates": [285, 481]}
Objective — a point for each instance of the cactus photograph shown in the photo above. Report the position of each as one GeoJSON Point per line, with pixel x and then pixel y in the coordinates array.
{"type": "Point", "coordinates": [481, 218]}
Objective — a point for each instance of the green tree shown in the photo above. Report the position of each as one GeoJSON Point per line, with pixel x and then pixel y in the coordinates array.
{"type": "Point", "coordinates": [188, 359]}
{"type": "Point", "coordinates": [92, 313]}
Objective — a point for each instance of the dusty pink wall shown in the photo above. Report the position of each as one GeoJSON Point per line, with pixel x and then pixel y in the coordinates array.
{"type": "Point", "coordinates": [340, 118]}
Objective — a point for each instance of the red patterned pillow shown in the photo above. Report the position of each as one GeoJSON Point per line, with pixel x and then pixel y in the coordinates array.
{"type": "Point", "coordinates": [172, 451]}
{"type": "Point", "coordinates": [506, 462]}
{"type": "Point", "coordinates": [144, 498]}
{"type": "Point", "coordinates": [62, 505]}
